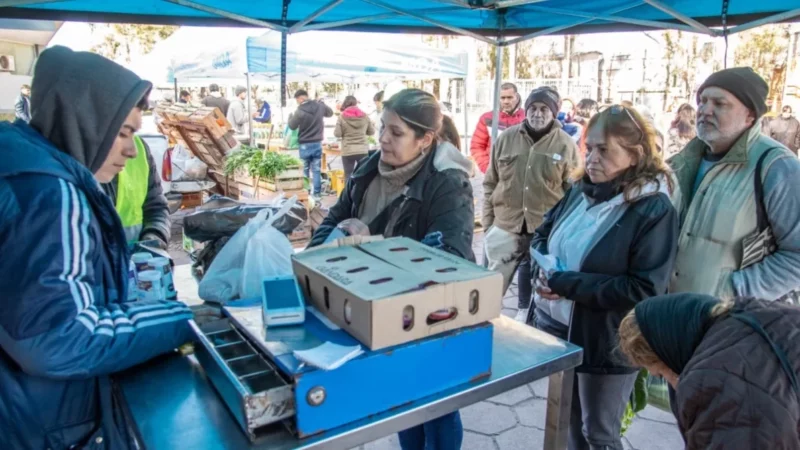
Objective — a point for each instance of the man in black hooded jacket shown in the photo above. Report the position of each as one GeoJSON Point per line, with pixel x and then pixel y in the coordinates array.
{"type": "Point", "coordinates": [309, 121]}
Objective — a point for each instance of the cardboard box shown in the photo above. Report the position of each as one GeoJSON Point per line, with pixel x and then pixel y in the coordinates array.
{"type": "Point", "coordinates": [385, 292]}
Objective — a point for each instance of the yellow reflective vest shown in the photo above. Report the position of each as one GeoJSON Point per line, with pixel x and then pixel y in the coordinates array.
{"type": "Point", "coordinates": [132, 185]}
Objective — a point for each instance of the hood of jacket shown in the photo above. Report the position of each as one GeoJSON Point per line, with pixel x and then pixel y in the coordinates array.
{"type": "Point", "coordinates": [449, 157]}
{"type": "Point", "coordinates": [80, 101]}
{"type": "Point", "coordinates": [310, 107]}
{"type": "Point", "coordinates": [353, 112]}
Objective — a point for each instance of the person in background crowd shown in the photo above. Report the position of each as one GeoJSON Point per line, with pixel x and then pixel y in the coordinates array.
{"type": "Point", "coordinates": [264, 114]}
{"type": "Point", "coordinates": [449, 132]}
{"type": "Point", "coordinates": [647, 114]}
{"type": "Point", "coordinates": [216, 100]}
{"type": "Point", "coordinates": [510, 114]}
{"type": "Point", "coordinates": [785, 129]}
{"type": "Point", "coordinates": [584, 111]}
{"type": "Point", "coordinates": [716, 198]}
{"type": "Point", "coordinates": [309, 121]}
{"type": "Point", "coordinates": [528, 174]}
{"type": "Point", "coordinates": [734, 366]}
{"type": "Point", "coordinates": [415, 187]}
{"type": "Point", "coordinates": [66, 325]}
{"type": "Point", "coordinates": [375, 116]}
{"type": "Point", "coordinates": [22, 109]}
{"type": "Point", "coordinates": [681, 130]}
{"type": "Point", "coordinates": [139, 200]}
{"type": "Point", "coordinates": [185, 97]}
{"type": "Point", "coordinates": [614, 236]}
{"type": "Point", "coordinates": [353, 127]}
{"type": "Point", "coordinates": [378, 99]}
{"type": "Point", "coordinates": [237, 112]}
{"type": "Point", "coordinates": [566, 117]}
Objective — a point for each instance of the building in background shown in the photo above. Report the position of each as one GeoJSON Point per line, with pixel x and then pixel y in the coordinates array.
{"type": "Point", "coordinates": [20, 44]}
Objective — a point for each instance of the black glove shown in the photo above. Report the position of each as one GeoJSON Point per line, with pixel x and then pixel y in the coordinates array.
{"type": "Point", "coordinates": [153, 240]}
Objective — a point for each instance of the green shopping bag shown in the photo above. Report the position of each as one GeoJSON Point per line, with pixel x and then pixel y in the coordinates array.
{"type": "Point", "coordinates": [290, 140]}
{"type": "Point", "coordinates": [648, 390]}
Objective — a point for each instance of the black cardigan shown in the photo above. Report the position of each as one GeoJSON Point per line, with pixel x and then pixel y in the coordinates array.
{"type": "Point", "coordinates": [630, 263]}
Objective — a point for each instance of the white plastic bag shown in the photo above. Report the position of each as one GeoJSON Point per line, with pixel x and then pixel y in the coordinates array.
{"type": "Point", "coordinates": [269, 254]}
{"type": "Point", "coordinates": [224, 280]}
{"type": "Point", "coordinates": [185, 167]}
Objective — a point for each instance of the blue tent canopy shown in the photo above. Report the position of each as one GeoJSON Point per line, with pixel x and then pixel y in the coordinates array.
{"type": "Point", "coordinates": [471, 17]}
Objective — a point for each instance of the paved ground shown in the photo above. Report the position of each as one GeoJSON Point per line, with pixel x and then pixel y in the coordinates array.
{"type": "Point", "coordinates": [515, 419]}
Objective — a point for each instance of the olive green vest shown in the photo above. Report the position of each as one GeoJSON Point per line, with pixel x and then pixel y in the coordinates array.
{"type": "Point", "coordinates": [132, 185]}
{"type": "Point", "coordinates": [720, 214]}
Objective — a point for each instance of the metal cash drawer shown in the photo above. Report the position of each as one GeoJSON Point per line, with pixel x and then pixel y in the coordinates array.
{"type": "Point", "coordinates": [249, 384]}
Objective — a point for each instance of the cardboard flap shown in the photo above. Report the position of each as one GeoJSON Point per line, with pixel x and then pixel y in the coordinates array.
{"type": "Point", "coordinates": [358, 272]}
{"type": "Point", "coordinates": [432, 264]}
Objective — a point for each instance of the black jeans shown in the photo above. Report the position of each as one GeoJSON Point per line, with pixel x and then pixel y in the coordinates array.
{"type": "Point", "coordinates": [524, 283]}
{"type": "Point", "coordinates": [349, 164]}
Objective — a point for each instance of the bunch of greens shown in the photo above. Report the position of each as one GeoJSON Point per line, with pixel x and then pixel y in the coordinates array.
{"type": "Point", "coordinates": [259, 163]}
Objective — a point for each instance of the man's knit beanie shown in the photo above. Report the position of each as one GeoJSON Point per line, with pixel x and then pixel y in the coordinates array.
{"type": "Point", "coordinates": [744, 84]}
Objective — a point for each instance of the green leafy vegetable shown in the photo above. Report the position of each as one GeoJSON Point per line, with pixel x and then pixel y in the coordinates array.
{"type": "Point", "coordinates": [259, 163]}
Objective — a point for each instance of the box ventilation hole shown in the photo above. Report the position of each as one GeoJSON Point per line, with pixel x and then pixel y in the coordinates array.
{"type": "Point", "coordinates": [408, 318]}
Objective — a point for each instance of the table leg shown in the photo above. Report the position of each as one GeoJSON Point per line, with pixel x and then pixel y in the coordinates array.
{"type": "Point", "coordinates": [559, 404]}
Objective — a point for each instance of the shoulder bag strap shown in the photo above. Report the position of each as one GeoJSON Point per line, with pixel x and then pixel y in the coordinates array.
{"type": "Point", "coordinates": [761, 210]}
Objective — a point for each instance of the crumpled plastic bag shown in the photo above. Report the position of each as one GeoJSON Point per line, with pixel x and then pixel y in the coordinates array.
{"type": "Point", "coordinates": [186, 167]}
{"type": "Point", "coordinates": [224, 280]}
{"type": "Point", "coordinates": [269, 254]}
{"type": "Point", "coordinates": [223, 217]}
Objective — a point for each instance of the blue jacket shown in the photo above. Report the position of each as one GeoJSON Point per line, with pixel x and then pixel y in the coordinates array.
{"type": "Point", "coordinates": [64, 327]}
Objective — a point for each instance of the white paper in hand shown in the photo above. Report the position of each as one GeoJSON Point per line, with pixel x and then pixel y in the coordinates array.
{"type": "Point", "coordinates": [328, 356]}
{"type": "Point", "coordinates": [547, 263]}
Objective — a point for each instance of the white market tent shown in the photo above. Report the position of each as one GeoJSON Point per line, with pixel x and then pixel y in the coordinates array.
{"type": "Point", "coordinates": [230, 53]}
{"type": "Point", "coordinates": [225, 54]}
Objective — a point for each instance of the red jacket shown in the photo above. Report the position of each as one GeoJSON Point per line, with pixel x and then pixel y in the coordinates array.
{"type": "Point", "coordinates": [480, 145]}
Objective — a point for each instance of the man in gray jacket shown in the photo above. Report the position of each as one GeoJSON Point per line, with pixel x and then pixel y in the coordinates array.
{"type": "Point", "coordinates": [237, 112]}
{"type": "Point", "coordinates": [785, 129]}
{"type": "Point", "coordinates": [717, 203]}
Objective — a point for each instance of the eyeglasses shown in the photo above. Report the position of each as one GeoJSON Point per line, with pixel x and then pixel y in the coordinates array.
{"type": "Point", "coordinates": [618, 109]}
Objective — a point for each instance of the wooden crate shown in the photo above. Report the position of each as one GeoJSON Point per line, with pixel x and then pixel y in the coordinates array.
{"type": "Point", "coordinates": [289, 180]}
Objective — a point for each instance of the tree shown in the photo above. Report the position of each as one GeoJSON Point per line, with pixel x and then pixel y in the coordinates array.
{"type": "Point", "coordinates": [487, 54]}
{"type": "Point", "coordinates": [765, 50]}
{"type": "Point", "coordinates": [524, 60]}
{"type": "Point", "coordinates": [121, 41]}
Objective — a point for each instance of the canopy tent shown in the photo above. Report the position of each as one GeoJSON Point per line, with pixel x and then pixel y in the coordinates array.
{"type": "Point", "coordinates": [223, 53]}
{"type": "Point", "coordinates": [483, 18]}
{"type": "Point", "coordinates": [492, 21]}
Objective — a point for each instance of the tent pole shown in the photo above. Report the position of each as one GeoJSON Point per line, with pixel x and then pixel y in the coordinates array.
{"type": "Point", "coordinates": [766, 20]}
{"type": "Point", "coordinates": [699, 27]}
{"type": "Point", "coordinates": [225, 14]}
{"type": "Point", "coordinates": [466, 120]}
{"type": "Point", "coordinates": [391, 15]}
{"type": "Point", "coordinates": [498, 75]}
{"type": "Point", "coordinates": [426, 19]}
{"type": "Point", "coordinates": [556, 29]}
{"type": "Point", "coordinates": [612, 18]}
{"type": "Point", "coordinates": [299, 25]}
{"type": "Point", "coordinates": [249, 112]}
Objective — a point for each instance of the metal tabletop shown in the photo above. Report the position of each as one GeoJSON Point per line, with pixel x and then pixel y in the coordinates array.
{"type": "Point", "coordinates": [172, 404]}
